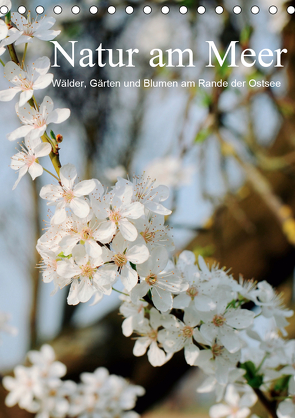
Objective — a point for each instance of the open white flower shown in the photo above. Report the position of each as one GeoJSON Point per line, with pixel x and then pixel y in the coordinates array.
{"type": "Point", "coordinates": [24, 388]}
{"type": "Point", "coordinates": [3, 30]}
{"type": "Point", "coordinates": [11, 36]}
{"type": "Point", "coordinates": [161, 282]}
{"type": "Point", "coordinates": [27, 159]}
{"type": "Point", "coordinates": [133, 313]}
{"type": "Point", "coordinates": [84, 231]}
{"type": "Point", "coordinates": [34, 29]}
{"type": "Point", "coordinates": [85, 275]}
{"type": "Point", "coordinates": [118, 212]}
{"type": "Point", "coordinates": [200, 291]}
{"type": "Point", "coordinates": [46, 363]}
{"type": "Point", "coordinates": [236, 407]}
{"type": "Point", "coordinates": [68, 195]}
{"type": "Point", "coordinates": [272, 305]}
{"type": "Point", "coordinates": [152, 228]}
{"type": "Point", "coordinates": [35, 121]}
{"type": "Point", "coordinates": [26, 82]}
{"type": "Point", "coordinates": [222, 324]}
{"type": "Point", "coordinates": [148, 331]}
{"type": "Point", "coordinates": [286, 409]}
{"type": "Point", "coordinates": [123, 253]}
{"type": "Point", "coordinates": [145, 193]}
{"type": "Point", "coordinates": [180, 336]}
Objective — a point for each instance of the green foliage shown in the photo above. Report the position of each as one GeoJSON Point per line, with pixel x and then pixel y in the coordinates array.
{"type": "Point", "coordinates": [202, 135]}
{"type": "Point", "coordinates": [254, 379]}
{"type": "Point", "coordinates": [52, 135]}
{"type": "Point", "coordinates": [61, 255]}
{"type": "Point", "coordinates": [282, 384]}
{"type": "Point", "coordinates": [245, 35]}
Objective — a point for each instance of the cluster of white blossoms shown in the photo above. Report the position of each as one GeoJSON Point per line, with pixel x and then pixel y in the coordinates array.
{"type": "Point", "coordinates": [39, 389]}
{"type": "Point", "coordinates": [97, 237]}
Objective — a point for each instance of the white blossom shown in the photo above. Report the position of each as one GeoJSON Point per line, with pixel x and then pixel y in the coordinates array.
{"type": "Point", "coordinates": [236, 407]}
{"type": "Point", "coordinates": [26, 82]}
{"type": "Point", "coordinates": [34, 29]}
{"type": "Point", "coordinates": [35, 121]}
{"type": "Point", "coordinates": [27, 160]}
{"type": "Point", "coordinates": [67, 195]}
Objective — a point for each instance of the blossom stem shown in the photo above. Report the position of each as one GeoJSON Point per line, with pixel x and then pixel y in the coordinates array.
{"type": "Point", "coordinates": [2, 63]}
{"type": "Point", "coordinates": [118, 291]}
{"type": "Point", "coordinates": [49, 172]}
{"type": "Point", "coordinates": [24, 55]}
{"type": "Point", "coordinates": [261, 363]}
{"type": "Point", "coordinates": [269, 405]}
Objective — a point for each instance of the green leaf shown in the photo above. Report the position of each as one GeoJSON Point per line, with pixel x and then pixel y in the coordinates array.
{"type": "Point", "coordinates": [253, 379]}
{"type": "Point", "coordinates": [52, 135]}
{"type": "Point", "coordinates": [133, 266]}
{"type": "Point", "coordinates": [282, 384]}
{"type": "Point", "coordinates": [202, 135]}
{"type": "Point", "coordinates": [61, 255]}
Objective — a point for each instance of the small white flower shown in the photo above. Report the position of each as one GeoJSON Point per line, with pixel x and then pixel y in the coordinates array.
{"type": "Point", "coordinates": [133, 313]}
{"type": "Point", "coordinates": [68, 195]}
{"type": "Point", "coordinates": [161, 282]}
{"type": "Point", "coordinates": [24, 388]}
{"type": "Point", "coordinates": [45, 361]}
{"type": "Point", "coordinates": [11, 36]}
{"type": "Point", "coordinates": [151, 227]}
{"type": "Point", "coordinates": [26, 82]}
{"type": "Point", "coordinates": [35, 122]}
{"type": "Point", "coordinates": [148, 331]}
{"type": "Point", "coordinates": [143, 191]}
{"type": "Point", "coordinates": [84, 231]}
{"type": "Point", "coordinates": [272, 305]}
{"type": "Point", "coordinates": [180, 336]}
{"type": "Point", "coordinates": [118, 212]}
{"type": "Point", "coordinates": [85, 275]}
{"type": "Point", "coordinates": [200, 291]}
{"type": "Point", "coordinates": [223, 324]}
{"type": "Point", "coordinates": [3, 30]}
{"type": "Point", "coordinates": [236, 407]}
{"type": "Point", "coordinates": [34, 29]}
{"type": "Point", "coordinates": [27, 159]}
{"type": "Point", "coordinates": [123, 253]}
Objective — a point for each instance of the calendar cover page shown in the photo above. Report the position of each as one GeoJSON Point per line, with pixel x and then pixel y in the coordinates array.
{"type": "Point", "coordinates": [147, 210]}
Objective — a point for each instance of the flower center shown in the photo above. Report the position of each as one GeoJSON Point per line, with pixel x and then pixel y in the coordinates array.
{"type": "Point", "coordinates": [148, 236]}
{"type": "Point", "coordinates": [87, 270]}
{"type": "Point", "coordinates": [218, 320]}
{"type": "Point", "coordinates": [115, 217]}
{"type": "Point", "coordinates": [235, 410]}
{"type": "Point", "coordinates": [217, 350]}
{"type": "Point", "coordinates": [52, 392]}
{"type": "Point", "coordinates": [151, 279]}
{"type": "Point", "coordinates": [192, 292]}
{"type": "Point", "coordinates": [120, 259]}
{"type": "Point", "coordinates": [86, 234]}
{"type": "Point", "coordinates": [25, 84]}
{"type": "Point", "coordinates": [30, 159]}
{"type": "Point", "coordinates": [38, 121]}
{"type": "Point", "coordinates": [187, 331]}
{"type": "Point", "coordinates": [153, 334]}
{"type": "Point", "coordinates": [68, 195]}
